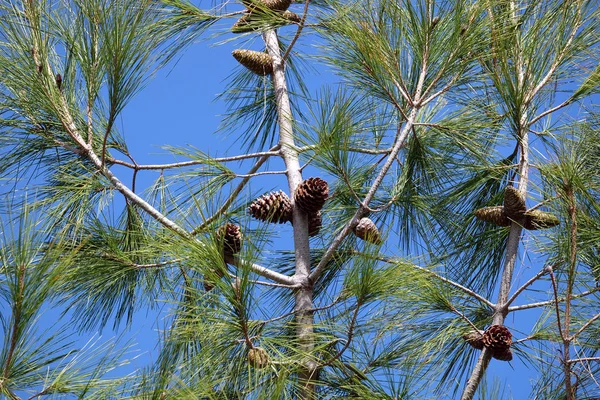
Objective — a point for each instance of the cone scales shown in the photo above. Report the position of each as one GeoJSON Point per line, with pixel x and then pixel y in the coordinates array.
{"type": "Point", "coordinates": [367, 231]}
{"type": "Point", "coordinates": [274, 207]}
{"type": "Point", "coordinates": [258, 62]}
{"type": "Point", "coordinates": [310, 195]}
{"type": "Point", "coordinates": [494, 215]}
{"type": "Point", "coordinates": [231, 236]}
{"type": "Point", "coordinates": [514, 203]}
{"type": "Point", "coordinates": [258, 357]}
{"type": "Point", "coordinates": [498, 339]}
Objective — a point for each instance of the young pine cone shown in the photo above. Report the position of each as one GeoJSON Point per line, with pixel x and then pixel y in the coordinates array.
{"type": "Point", "coordinates": [255, 20]}
{"type": "Point", "coordinates": [231, 237]}
{"type": "Point", "coordinates": [258, 357]}
{"type": "Point", "coordinates": [258, 62]}
{"type": "Point", "coordinates": [498, 339]}
{"type": "Point", "coordinates": [494, 215]}
{"type": "Point", "coordinates": [514, 203]}
{"type": "Point", "coordinates": [273, 207]}
{"type": "Point", "coordinates": [537, 219]}
{"type": "Point", "coordinates": [367, 231]}
{"type": "Point", "coordinates": [311, 194]}
{"type": "Point", "coordinates": [275, 5]}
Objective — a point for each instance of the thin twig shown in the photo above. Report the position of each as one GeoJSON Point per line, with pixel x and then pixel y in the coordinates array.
{"type": "Point", "coordinates": [260, 174]}
{"type": "Point", "coordinates": [234, 193]}
{"type": "Point", "coordinates": [555, 289]}
{"type": "Point", "coordinates": [312, 310]}
{"type": "Point", "coordinates": [298, 31]}
{"type": "Point", "coordinates": [191, 162]}
{"type": "Point", "coordinates": [441, 278]}
{"type": "Point", "coordinates": [267, 273]}
{"type": "Point", "coordinates": [544, 271]}
{"type": "Point", "coordinates": [550, 111]}
{"type": "Point", "coordinates": [349, 336]}
{"type": "Point", "coordinates": [584, 327]}
{"type": "Point", "coordinates": [549, 302]}
{"type": "Point", "coordinates": [582, 359]}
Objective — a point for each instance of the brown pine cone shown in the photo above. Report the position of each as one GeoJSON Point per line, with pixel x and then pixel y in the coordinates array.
{"type": "Point", "coordinates": [258, 62]}
{"type": "Point", "coordinates": [537, 219]}
{"type": "Point", "coordinates": [258, 357]}
{"type": "Point", "coordinates": [367, 231]}
{"type": "Point", "coordinates": [273, 207]}
{"type": "Point", "coordinates": [311, 194]}
{"type": "Point", "coordinates": [514, 203]}
{"type": "Point", "coordinates": [498, 339]}
{"type": "Point", "coordinates": [231, 237]}
{"type": "Point", "coordinates": [475, 339]}
{"type": "Point", "coordinates": [494, 215]}
{"type": "Point", "coordinates": [314, 223]}
{"type": "Point", "coordinates": [504, 354]}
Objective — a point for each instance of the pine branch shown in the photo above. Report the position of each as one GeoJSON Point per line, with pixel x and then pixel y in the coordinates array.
{"type": "Point", "coordinates": [528, 283]}
{"type": "Point", "coordinates": [551, 302]}
{"type": "Point", "coordinates": [192, 162]}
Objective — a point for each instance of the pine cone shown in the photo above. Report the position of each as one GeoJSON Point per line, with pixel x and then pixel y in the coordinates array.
{"type": "Point", "coordinates": [258, 62]}
{"type": "Point", "coordinates": [273, 207]}
{"type": "Point", "coordinates": [314, 223]}
{"type": "Point", "coordinates": [255, 21]}
{"type": "Point", "coordinates": [494, 215]}
{"type": "Point", "coordinates": [311, 194]}
{"type": "Point", "coordinates": [278, 5]}
{"type": "Point", "coordinates": [504, 354]}
{"type": "Point", "coordinates": [275, 5]}
{"type": "Point", "coordinates": [231, 237]}
{"type": "Point", "coordinates": [291, 17]}
{"type": "Point", "coordinates": [498, 339]}
{"type": "Point", "coordinates": [537, 219]}
{"type": "Point", "coordinates": [367, 231]}
{"type": "Point", "coordinates": [258, 357]}
{"type": "Point", "coordinates": [475, 339]}
{"type": "Point", "coordinates": [514, 203]}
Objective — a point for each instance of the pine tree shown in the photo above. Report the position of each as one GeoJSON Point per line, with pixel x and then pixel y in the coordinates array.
{"type": "Point", "coordinates": [446, 182]}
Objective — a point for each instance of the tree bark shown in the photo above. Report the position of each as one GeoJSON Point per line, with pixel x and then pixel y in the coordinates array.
{"type": "Point", "coordinates": [289, 153]}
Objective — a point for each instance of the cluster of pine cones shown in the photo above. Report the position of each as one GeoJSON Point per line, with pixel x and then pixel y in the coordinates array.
{"type": "Point", "coordinates": [497, 338]}
{"type": "Point", "coordinates": [514, 210]}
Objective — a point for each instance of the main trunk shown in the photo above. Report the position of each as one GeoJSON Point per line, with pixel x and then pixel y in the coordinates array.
{"type": "Point", "coordinates": [304, 295]}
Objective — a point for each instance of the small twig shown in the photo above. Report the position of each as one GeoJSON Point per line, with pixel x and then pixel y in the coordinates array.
{"type": "Point", "coordinates": [582, 359]}
{"type": "Point", "coordinates": [235, 192]}
{"type": "Point", "coordinates": [350, 335]}
{"type": "Point", "coordinates": [555, 289]}
{"type": "Point", "coordinates": [584, 327]}
{"type": "Point", "coordinates": [311, 310]}
{"type": "Point", "coordinates": [463, 316]}
{"type": "Point", "coordinates": [549, 302]}
{"type": "Point", "coordinates": [544, 271]}
{"type": "Point", "coordinates": [541, 203]}
{"type": "Point", "coordinates": [267, 273]}
{"type": "Point", "coordinates": [157, 265]}
{"type": "Point", "coordinates": [298, 32]}
{"type": "Point", "coordinates": [446, 280]}
{"type": "Point", "coordinates": [260, 174]}
{"type": "Point", "coordinates": [268, 283]}
{"type": "Point", "coordinates": [191, 162]}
